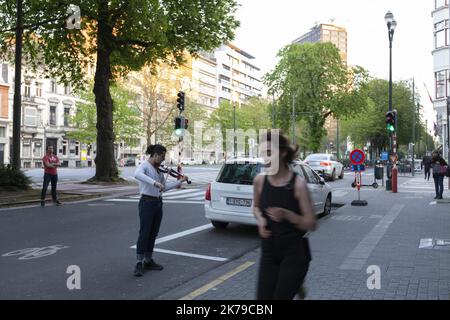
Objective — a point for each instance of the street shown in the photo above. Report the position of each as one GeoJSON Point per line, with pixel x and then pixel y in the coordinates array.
{"type": "Point", "coordinates": [38, 245]}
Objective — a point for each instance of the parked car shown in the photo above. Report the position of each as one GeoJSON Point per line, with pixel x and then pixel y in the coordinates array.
{"type": "Point", "coordinates": [130, 162]}
{"type": "Point", "coordinates": [188, 161]}
{"type": "Point", "coordinates": [326, 164]}
{"type": "Point", "coordinates": [230, 197]}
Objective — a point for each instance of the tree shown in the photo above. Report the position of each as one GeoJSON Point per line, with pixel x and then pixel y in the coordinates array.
{"type": "Point", "coordinates": [127, 124]}
{"type": "Point", "coordinates": [252, 115]}
{"type": "Point", "coordinates": [120, 36]}
{"type": "Point", "coordinates": [370, 125]}
{"type": "Point", "coordinates": [315, 78]}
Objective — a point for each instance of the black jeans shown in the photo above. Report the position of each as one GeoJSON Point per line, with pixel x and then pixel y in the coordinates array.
{"type": "Point", "coordinates": [427, 173]}
{"type": "Point", "coordinates": [150, 216]}
{"type": "Point", "coordinates": [439, 185]}
{"type": "Point", "coordinates": [53, 178]}
{"type": "Point", "coordinates": [283, 267]}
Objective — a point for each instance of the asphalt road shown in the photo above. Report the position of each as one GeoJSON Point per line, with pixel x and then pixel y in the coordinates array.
{"type": "Point", "coordinates": [97, 237]}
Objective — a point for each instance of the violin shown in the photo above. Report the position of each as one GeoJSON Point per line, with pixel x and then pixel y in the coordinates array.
{"type": "Point", "coordinates": [172, 172]}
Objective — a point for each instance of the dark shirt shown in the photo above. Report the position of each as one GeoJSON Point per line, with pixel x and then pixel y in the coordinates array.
{"type": "Point", "coordinates": [438, 160]}
{"type": "Point", "coordinates": [426, 161]}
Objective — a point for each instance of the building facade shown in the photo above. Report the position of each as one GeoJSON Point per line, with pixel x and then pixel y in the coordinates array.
{"type": "Point", "coordinates": [238, 78]}
{"type": "Point", "coordinates": [338, 36]}
{"type": "Point", "coordinates": [46, 110]}
{"type": "Point", "coordinates": [441, 69]}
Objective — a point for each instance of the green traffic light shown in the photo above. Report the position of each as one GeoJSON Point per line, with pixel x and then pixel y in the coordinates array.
{"type": "Point", "coordinates": [179, 132]}
{"type": "Point", "coordinates": [390, 128]}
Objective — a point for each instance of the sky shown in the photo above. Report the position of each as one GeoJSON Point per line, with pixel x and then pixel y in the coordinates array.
{"type": "Point", "coordinates": [268, 25]}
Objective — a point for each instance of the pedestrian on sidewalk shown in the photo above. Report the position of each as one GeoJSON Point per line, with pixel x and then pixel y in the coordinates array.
{"type": "Point", "coordinates": [426, 162]}
{"type": "Point", "coordinates": [151, 185]}
{"type": "Point", "coordinates": [51, 164]}
{"type": "Point", "coordinates": [438, 164]}
{"type": "Point", "coordinates": [284, 211]}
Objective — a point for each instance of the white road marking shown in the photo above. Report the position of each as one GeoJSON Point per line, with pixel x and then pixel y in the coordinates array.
{"type": "Point", "coordinates": [192, 255]}
{"type": "Point", "coordinates": [358, 257]}
{"type": "Point", "coordinates": [432, 203]}
{"type": "Point", "coordinates": [193, 194]}
{"type": "Point", "coordinates": [180, 234]}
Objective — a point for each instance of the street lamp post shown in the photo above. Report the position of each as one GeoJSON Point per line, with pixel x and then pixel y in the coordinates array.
{"type": "Point", "coordinates": [391, 183]}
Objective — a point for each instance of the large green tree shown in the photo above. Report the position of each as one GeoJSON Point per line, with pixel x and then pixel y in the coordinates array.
{"type": "Point", "coordinates": [370, 125]}
{"type": "Point", "coordinates": [119, 36]}
{"type": "Point", "coordinates": [313, 77]}
{"type": "Point", "coordinates": [127, 124]}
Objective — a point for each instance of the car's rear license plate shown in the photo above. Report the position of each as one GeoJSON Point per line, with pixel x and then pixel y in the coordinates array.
{"type": "Point", "coordinates": [239, 202]}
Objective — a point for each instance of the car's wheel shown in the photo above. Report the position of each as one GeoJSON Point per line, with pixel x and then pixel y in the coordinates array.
{"type": "Point", "coordinates": [219, 224]}
{"type": "Point", "coordinates": [327, 206]}
{"type": "Point", "coordinates": [342, 174]}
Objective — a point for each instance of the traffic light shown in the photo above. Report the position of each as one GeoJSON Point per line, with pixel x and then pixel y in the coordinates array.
{"type": "Point", "coordinates": [180, 101]}
{"type": "Point", "coordinates": [390, 121]}
{"type": "Point", "coordinates": [181, 124]}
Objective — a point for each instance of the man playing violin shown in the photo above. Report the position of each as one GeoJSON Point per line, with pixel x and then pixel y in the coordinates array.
{"type": "Point", "coordinates": [152, 184]}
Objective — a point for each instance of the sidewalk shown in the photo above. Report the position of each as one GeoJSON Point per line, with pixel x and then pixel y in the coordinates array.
{"type": "Point", "coordinates": [404, 235]}
{"type": "Point", "coordinates": [68, 193]}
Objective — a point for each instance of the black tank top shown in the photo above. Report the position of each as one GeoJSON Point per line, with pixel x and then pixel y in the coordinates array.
{"type": "Point", "coordinates": [281, 197]}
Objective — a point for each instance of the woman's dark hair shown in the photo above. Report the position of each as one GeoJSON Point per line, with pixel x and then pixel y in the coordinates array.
{"type": "Point", "coordinates": [155, 148]}
{"type": "Point", "coordinates": [283, 145]}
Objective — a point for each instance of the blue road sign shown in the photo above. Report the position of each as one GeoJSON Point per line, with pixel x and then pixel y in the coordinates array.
{"type": "Point", "coordinates": [358, 167]}
{"type": "Point", "coordinates": [384, 156]}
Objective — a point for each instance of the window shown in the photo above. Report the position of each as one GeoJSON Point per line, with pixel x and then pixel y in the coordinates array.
{"type": "Point", "coordinates": [226, 67]}
{"type": "Point", "coordinates": [223, 78]}
{"type": "Point", "coordinates": [297, 169]}
{"type": "Point", "coordinates": [440, 84]}
{"type": "Point", "coordinates": [441, 34]}
{"type": "Point", "coordinates": [53, 86]}
{"type": "Point", "coordinates": [440, 3]}
{"type": "Point", "coordinates": [238, 173]}
{"type": "Point", "coordinates": [226, 89]}
{"type": "Point", "coordinates": [27, 90]}
{"type": "Point", "coordinates": [68, 89]}
{"type": "Point", "coordinates": [38, 148]}
{"type": "Point", "coordinates": [38, 89]}
{"type": "Point", "coordinates": [52, 120]}
{"type": "Point", "coordinates": [2, 132]}
{"type": "Point", "coordinates": [30, 117]}
{"type": "Point", "coordinates": [5, 72]}
{"type": "Point", "coordinates": [26, 150]}
{"type": "Point", "coordinates": [66, 116]}
{"type": "Point", "coordinates": [311, 177]}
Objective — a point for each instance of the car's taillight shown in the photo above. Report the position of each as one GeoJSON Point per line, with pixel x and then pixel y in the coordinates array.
{"type": "Point", "coordinates": [325, 164]}
{"type": "Point", "coordinates": [208, 192]}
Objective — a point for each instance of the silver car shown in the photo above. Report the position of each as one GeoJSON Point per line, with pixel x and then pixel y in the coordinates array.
{"type": "Point", "coordinates": [326, 164]}
{"type": "Point", "coordinates": [230, 197]}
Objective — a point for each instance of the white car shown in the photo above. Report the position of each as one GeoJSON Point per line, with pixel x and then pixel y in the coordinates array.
{"type": "Point", "coordinates": [230, 197]}
{"type": "Point", "coordinates": [326, 164]}
{"type": "Point", "coordinates": [188, 161]}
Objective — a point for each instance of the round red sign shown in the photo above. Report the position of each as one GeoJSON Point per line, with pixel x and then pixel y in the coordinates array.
{"type": "Point", "coordinates": [357, 157]}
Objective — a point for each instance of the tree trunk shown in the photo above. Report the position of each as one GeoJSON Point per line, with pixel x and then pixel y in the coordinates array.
{"type": "Point", "coordinates": [106, 169]}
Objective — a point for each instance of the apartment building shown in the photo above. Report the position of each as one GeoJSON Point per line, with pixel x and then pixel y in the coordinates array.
{"type": "Point", "coordinates": [441, 69]}
{"type": "Point", "coordinates": [46, 109]}
{"type": "Point", "coordinates": [238, 78]}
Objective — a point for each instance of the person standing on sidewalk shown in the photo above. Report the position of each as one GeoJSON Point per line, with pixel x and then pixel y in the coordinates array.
{"type": "Point", "coordinates": [438, 176]}
{"type": "Point", "coordinates": [284, 212]}
{"type": "Point", "coordinates": [151, 185]}
{"type": "Point", "coordinates": [426, 162]}
{"type": "Point", "coordinates": [51, 163]}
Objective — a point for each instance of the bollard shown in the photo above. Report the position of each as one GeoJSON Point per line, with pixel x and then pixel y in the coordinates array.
{"type": "Point", "coordinates": [394, 179]}
{"type": "Point", "coordinates": [180, 170]}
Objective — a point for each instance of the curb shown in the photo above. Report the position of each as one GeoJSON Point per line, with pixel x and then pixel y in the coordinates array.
{"type": "Point", "coordinates": [212, 278]}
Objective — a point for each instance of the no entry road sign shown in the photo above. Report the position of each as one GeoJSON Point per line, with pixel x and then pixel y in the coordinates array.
{"type": "Point", "coordinates": [357, 157]}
